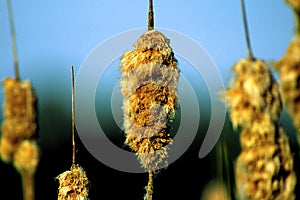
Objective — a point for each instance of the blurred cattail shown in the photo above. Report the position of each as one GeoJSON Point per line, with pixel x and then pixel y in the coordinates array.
{"type": "Point", "coordinates": [26, 159]}
{"type": "Point", "coordinates": [295, 5]}
{"type": "Point", "coordinates": [219, 188]}
{"type": "Point", "coordinates": [264, 168]}
{"type": "Point", "coordinates": [215, 190]}
{"type": "Point", "coordinates": [288, 68]}
{"type": "Point", "coordinates": [73, 183]}
{"type": "Point", "coordinates": [19, 116]}
{"type": "Point", "coordinates": [17, 143]}
{"type": "Point", "coordinates": [148, 85]}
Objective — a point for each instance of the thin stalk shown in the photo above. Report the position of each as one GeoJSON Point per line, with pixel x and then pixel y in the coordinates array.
{"type": "Point", "coordinates": [227, 170]}
{"type": "Point", "coordinates": [249, 49]}
{"type": "Point", "coordinates": [73, 118]}
{"type": "Point", "coordinates": [28, 185]}
{"type": "Point", "coordinates": [150, 186]}
{"type": "Point", "coordinates": [297, 22]}
{"type": "Point", "coordinates": [13, 38]}
{"type": "Point", "coordinates": [150, 16]}
{"type": "Point", "coordinates": [220, 162]}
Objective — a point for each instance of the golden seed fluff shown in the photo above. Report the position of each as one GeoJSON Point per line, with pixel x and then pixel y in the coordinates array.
{"type": "Point", "coordinates": [264, 167]}
{"type": "Point", "coordinates": [19, 116]}
{"type": "Point", "coordinates": [288, 68]}
{"type": "Point", "coordinates": [295, 4]}
{"type": "Point", "coordinates": [73, 184]}
{"type": "Point", "coordinates": [26, 157]}
{"type": "Point", "coordinates": [19, 110]}
{"type": "Point", "coordinates": [148, 84]}
{"type": "Point", "coordinates": [17, 142]}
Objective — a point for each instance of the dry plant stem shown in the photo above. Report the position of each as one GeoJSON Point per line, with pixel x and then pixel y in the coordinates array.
{"type": "Point", "coordinates": [227, 168]}
{"type": "Point", "coordinates": [150, 186]}
{"type": "Point", "coordinates": [28, 185]}
{"type": "Point", "coordinates": [150, 16]}
{"type": "Point", "coordinates": [297, 21]}
{"type": "Point", "coordinates": [249, 49]}
{"type": "Point", "coordinates": [13, 38]}
{"type": "Point", "coordinates": [73, 118]}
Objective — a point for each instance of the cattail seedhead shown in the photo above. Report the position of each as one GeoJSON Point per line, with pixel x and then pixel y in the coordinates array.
{"type": "Point", "coordinates": [295, 4]}
{"type": "Point", "coordinates": [253, 92]}
{"type": "Point", "coordinates": [148, 85]}
{"type": "Point", "coordinates": [73, 184]}
{"type": "Point", "coordinates": [19, 116]}
{"type": "Point", "coordinates": [7, 149]}
{"type": "Point", "coordinates": [26, 157]}
{"type": "Point", "coordinates": [265, 165]}
{"type": "Point", "coordinates": [265, 171]}
{"type": "Point", "coordinates": [288, 68]}
{"type": "Point", "coordinates": [19, 110]}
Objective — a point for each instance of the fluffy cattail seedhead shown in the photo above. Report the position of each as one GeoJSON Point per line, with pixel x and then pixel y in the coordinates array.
{"type": "Point", "coordinates": [17, 142]}
{"type": "Point", "coordinates": [73, 184]}
{"type": "Point", "coordinates": [288, 68]}
{"type": "Point", "coordinates": [26, 157]}
{"type": "Point", "coordinates": [264, 169]}
{"type": "Point", "coordinates": [148, 85]}
{"type": "Point", "coordinates": [7, 149]}
{"type": "Point", "coordinates": [295, 4]}
{"type": "Point", "coordinates": [19, 110]}
{"type": "Point", "coordinates": [19, 115]}
{"type": "Point", "coordinates": [252, 94]}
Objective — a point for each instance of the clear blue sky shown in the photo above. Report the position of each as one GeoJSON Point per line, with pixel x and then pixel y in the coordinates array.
{"type": "Point", "coordinates": [53, 35]}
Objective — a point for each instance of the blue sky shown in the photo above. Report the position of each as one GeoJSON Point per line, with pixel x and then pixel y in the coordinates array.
{"type": "Point", "coordinates": [52, 35]}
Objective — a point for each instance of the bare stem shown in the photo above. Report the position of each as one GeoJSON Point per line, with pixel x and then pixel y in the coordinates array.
{"type": "Point", "coordinates": [28, 185]}
{"type": "Point", "coordinates": [73, 118]}
{"type": "Point", "coordinates": [297, 22]}
{"type": "Point", "coordinates": [150, 186]}
{"type": "Point", "coordinates": [227, 169]}
{"type": "Point", "coordinates": [150, 16]}
{"type": "Point", "coordinates": [249, 50]}
{"type": "Point", "coordinates": [13, 38]}
{"type": "Point", "coordinates": [220, 162]}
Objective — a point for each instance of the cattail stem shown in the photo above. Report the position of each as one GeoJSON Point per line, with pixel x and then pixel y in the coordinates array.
{"type": "Point", "coordinates": [13, 38]}
{"type": "Point", "coordinates": [150, 186]}
{"type": "Point", "coordinates": [249, 49]}
{"type": "Point", "coordinates": [150, 16]}
{"type": "Point", "coordinates": [28, 185]}
{"type": "Point", "coordinates": [73, 118]}
{"type": "Point", "coordinates": [220, 162]}
{"type": "Point", "coordinates": [297, 23]}
{"type": "Point", "coordinates": [227, 170]}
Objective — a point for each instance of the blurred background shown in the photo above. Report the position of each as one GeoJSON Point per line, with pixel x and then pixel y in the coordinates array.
{"type": "Point", "coordinates": [53, 35]}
